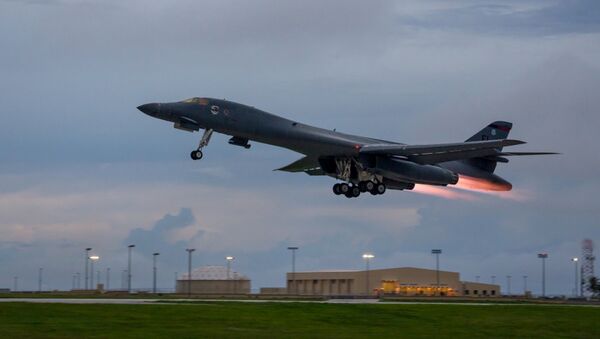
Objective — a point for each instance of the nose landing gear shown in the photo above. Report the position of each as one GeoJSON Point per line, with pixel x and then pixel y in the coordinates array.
{"type": "Point", "coordinates": [197, 154]}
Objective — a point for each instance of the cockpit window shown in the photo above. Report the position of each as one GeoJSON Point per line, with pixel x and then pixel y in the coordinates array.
{"type": "Point", "coordinates": [196, 100]}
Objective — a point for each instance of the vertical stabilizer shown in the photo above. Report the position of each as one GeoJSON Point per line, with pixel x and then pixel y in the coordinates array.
{"type": "Point", "coordinates": [497, 130]}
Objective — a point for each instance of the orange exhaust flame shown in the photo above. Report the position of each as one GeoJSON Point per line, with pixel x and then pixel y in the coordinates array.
{"type": "Point", "coordinates": [470, 183]}
{"type": "Point", "coordinates": [442, 192]}
{"type": "Point", "coordinates": [500, 190]}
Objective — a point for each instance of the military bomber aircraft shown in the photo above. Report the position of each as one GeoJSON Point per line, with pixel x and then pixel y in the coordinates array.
{"type": "Point", "coordinates": [362, 164]}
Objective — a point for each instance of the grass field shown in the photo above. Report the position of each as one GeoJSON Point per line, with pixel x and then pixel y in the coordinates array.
{"type": "Point", "coordinates": [280, 320]}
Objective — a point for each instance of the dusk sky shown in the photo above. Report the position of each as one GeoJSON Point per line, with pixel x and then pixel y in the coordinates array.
{"type": "Point", "coordinates": [82, 167]}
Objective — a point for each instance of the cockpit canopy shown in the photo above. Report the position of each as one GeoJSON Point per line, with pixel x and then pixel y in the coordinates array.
{"type": "Point", "coordinates": [196, 100]}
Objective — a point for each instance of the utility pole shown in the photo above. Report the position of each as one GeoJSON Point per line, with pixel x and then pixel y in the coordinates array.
{"type": "Point", "coordinates": [40, 279]}
{"type": "Point", "coordinates": [87, 260]}
{"type": "Point", "coordinates": [437, 253]}
{"type": "Point", "coordinates": [543, 256]}
{"type": "Point", "coordinates": [294, 249]}
{"type": "Point", "coordinates": [154, 255]}
{"type": "Point", "coordinates": [129, 248]}
{"type": "Point", "coordinates": [189, 286]}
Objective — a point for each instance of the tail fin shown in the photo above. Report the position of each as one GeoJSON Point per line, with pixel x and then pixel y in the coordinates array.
{"type": "Point", "coordinates": [497, 130]}
{"type": "Point", "coordinates": [494, 131]}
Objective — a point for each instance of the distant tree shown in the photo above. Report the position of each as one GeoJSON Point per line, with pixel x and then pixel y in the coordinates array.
{"type": "Point", "coordinates": [594, 286]}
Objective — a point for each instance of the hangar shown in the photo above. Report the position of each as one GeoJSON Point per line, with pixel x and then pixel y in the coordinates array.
{"type": "Point", "coordinates": [213, 280]}
{"type": "Point", "coordinates": [402, 281]}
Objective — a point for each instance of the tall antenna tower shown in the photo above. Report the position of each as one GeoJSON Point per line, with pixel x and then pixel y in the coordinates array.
{"type": "Point", "coordinates": [587, 266]}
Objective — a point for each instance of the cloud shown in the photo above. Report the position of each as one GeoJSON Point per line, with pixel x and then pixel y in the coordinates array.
{"type": "Point", "coordinates": [538, 18]}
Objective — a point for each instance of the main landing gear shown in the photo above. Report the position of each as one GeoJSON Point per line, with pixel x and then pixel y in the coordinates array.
{"type": "Point", "coordinates": [197, 154]}
{"type": "Point", "coordinates": [353, 191]}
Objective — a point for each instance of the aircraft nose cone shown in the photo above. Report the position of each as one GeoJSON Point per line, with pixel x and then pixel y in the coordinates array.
{"type": "Point", "coordinates": [150, 109]}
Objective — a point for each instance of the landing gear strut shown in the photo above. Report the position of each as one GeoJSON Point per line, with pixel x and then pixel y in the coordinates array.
{"type": "Point", "coordinates": [197, 154]}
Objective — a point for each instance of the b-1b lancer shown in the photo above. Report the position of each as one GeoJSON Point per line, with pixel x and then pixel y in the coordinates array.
{"type": "Point", "coordinates": [362, 164]}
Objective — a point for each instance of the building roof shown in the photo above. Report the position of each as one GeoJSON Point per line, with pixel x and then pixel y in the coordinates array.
{"type": "Point", "coordinates": [375, 270]}
{"type": "Point", "coordinates": [213, 273]}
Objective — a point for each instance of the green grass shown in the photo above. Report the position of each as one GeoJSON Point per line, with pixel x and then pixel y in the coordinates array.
{"type": "Point", "coordinates": [284, 320]}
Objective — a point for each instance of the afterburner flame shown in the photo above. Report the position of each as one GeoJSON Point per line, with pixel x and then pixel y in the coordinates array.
{"type": "Point", "coordinates": [483, 186]}
{"type": "Point", "coordinates": [477, 184]}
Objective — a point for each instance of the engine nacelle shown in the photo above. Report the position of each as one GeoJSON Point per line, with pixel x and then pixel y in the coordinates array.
{"type": "Point", "coordinates": [407, 171]}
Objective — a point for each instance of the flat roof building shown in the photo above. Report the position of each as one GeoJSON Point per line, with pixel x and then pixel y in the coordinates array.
{"type": "Point", "coordinates": [213, 280]}
{"type": "Point", "coordinates": [402, 281]}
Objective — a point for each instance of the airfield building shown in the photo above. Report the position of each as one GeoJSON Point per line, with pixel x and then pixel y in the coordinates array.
{"type": "Point", "coordinates": [213, 280]}
{"type": "Point", "coordinates": [403, 281]}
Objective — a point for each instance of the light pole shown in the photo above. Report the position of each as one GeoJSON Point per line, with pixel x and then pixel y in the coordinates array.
{"type": "Point", "coordinates": [78, 275]}
{"type": "Point", "coordinates": [129, 248]}
{"type": "Point", "coordinates": [437, 253]}
{"type": "Point", "coordinates": [493, 279]}
{"type": "Point", "coordinates": [543, 256]}
{"type": "Point", "coordinates": [154, 255]}
{"type": "Point", "coordinates": [92, 259]}
{"type": "Point", "coordinates": [524, 285]}
{"type": "Point", "coordinates": [40, 279]}
{"type": "Point", "coordinates": [367, 257]}
{"type": "Point", "coordinates": [477, 278]}
{"type": "Point", "coordinates": [575, 260]}
{"type": "Point", "coordinates": [229, 259]}
{"type": "Point", "coordinates": [107, 278]}
{"type": "Point", "coordinates": [508, 284]}
{"type": "Point", "coordinates": [189, 285]}
{"type": "Point", "coordinates": [175, 275]}
{"type": "Point", "coordinates": [73, 282]}
{"type": "Point", "coordinates": [294, 249]}
{"type": "Point", "coordinates": [98, 277]}
{"type": "Point", "coordinates": [16, 283]}
{"type": "Point", "coordinates": [87, 259]}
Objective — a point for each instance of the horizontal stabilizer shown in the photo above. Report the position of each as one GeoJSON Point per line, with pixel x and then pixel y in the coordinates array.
{"type": "Point", "coordinates": [435, 153]}
{"type": "Point", "coordinates": [508, 154]}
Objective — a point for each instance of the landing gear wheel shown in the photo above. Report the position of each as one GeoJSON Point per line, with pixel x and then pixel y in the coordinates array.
{"type": "Point", "coordinates": [380, 188]}
{"type": "Point", "coordinates": [196, 155]}
{"type": "Point", "coordinates": [336, 189]}
{"type": "Point", "coordinates": [355, 191]}
{"type": "Point", "coordinates": [369, 185]}
{"type": "Point", "coordinates": [344, 188]}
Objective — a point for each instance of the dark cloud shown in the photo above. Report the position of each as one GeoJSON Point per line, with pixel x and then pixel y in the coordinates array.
{"type": "Point", "coordinates": [161, 237]}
